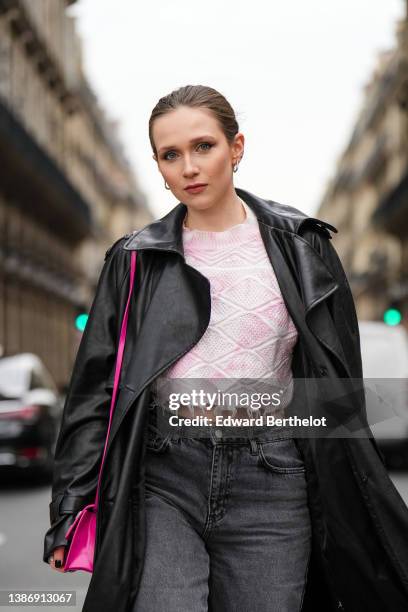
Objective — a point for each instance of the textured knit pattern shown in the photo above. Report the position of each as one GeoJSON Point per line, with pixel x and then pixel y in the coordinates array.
{"type": "Point", "coordinates": [250, 334]}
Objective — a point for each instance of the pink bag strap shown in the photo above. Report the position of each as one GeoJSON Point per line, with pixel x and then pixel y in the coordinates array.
{"type": "Point", "coordinates": [118, 367]}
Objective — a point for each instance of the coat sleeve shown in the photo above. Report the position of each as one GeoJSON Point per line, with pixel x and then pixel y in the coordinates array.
{"type": "Point", "coordinates": [85, 417]}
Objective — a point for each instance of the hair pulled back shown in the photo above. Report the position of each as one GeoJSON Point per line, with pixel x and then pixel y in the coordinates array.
{"type": "Point", "coordinates": [197, 96]}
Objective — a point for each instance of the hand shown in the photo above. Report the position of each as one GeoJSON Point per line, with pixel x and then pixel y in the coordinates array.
{"type": "Point", "coordinates": [58, 554]}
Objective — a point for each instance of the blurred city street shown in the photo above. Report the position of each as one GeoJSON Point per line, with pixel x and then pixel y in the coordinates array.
{"type": "Point", "coordinates": [23, 523]}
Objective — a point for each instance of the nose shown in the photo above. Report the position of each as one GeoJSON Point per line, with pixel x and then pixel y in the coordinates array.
{"type": "Point", "coordinates": [189, 169]}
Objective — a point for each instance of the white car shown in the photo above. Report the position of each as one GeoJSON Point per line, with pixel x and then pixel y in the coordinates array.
{"type": "Point", "coordinates": [384, 351]}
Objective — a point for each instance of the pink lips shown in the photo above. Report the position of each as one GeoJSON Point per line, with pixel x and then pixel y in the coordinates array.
{"type": "Point", "coordinates": [197, 189]}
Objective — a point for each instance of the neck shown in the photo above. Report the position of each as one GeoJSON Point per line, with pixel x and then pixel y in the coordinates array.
{"type": "Point", "coordinates": [217, 218]}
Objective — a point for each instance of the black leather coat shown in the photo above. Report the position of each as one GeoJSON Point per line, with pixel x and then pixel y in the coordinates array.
{"type": "Point", "coordinates": [359, 557]}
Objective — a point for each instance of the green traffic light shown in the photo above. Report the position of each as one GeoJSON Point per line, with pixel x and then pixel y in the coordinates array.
{"type": "Point", "coordinates": [392, 316]}
{"type": "Point", "coordinates": [80, 321]}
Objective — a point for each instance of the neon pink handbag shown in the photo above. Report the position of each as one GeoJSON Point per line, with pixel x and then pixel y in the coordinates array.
{"type": "Point", "coordinates": [82, 533]}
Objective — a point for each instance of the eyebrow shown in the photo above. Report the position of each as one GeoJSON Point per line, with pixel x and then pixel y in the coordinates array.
{"type": "Point", "coordinates": [191, 141]}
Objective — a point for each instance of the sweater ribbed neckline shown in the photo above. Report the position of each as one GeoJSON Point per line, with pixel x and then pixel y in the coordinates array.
{"type": "Point", "coordinates": [235, 234]}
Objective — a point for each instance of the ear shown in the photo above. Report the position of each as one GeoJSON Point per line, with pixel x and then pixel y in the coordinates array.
{"type": "Point", "coordinates": [237, 146]}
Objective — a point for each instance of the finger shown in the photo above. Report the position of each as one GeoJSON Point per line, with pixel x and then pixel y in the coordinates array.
{"type": "Point", "coordinates": [57, 561]}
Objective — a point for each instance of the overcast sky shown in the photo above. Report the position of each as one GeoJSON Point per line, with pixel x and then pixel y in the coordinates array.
{"type": "Point", "coordinates": [293, 70]}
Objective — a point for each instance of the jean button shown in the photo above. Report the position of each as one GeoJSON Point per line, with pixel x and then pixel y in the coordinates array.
{"type": "Point", "coordinates": [218, 433]}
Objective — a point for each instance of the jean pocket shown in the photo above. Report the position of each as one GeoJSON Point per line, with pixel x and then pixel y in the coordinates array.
{"type": "Point", "coordinates": [157, 444]}
{"type": "Point", "coordinates": [281, 457]}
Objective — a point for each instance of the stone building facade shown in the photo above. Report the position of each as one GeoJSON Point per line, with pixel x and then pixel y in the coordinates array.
{"type": "Point", "coordinates": [66, 189]}
{"type": "Point", "coordinates": [367, 198]}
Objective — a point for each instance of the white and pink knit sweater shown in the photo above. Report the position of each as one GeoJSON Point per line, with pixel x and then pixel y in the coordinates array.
{"type": "Point", "coordinates": [250, 333]}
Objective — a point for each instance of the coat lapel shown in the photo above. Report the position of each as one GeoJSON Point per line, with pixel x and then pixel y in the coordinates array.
{"type": "Point", "coordinates": [306, 283]}
{"type": "Point", "coordinates": [176, 318]}
{"type": "Point", "coordinates": [317, 285]}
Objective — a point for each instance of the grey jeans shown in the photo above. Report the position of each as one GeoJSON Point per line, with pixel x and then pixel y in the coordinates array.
{"type": "Point", "coordinates": [227, 523]}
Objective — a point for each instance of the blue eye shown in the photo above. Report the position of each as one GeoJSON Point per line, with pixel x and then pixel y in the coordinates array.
{"type": "Point", "coordinates": [209, 145]}
{"type": "Point", "coordinates": [206, 143]}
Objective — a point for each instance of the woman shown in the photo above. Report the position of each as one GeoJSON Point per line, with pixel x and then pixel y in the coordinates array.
{"type": "Point", "coordinates": [228, 285]}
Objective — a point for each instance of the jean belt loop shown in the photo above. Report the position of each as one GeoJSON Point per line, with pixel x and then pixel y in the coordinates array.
{"type": "Point", "coordinates": [254, 446]}
{"type": "Point", "coordinates": [167, 439]}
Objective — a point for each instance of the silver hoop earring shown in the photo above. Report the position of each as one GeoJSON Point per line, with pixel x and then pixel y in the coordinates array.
{"type": "Point", "coordinates": [235, 167]}
{"type": "Point", "coordinates": [166, 185]}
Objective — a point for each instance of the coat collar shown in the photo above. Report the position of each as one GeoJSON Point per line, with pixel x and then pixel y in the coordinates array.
{"type": "Point", "coordinates": [166, 233]}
